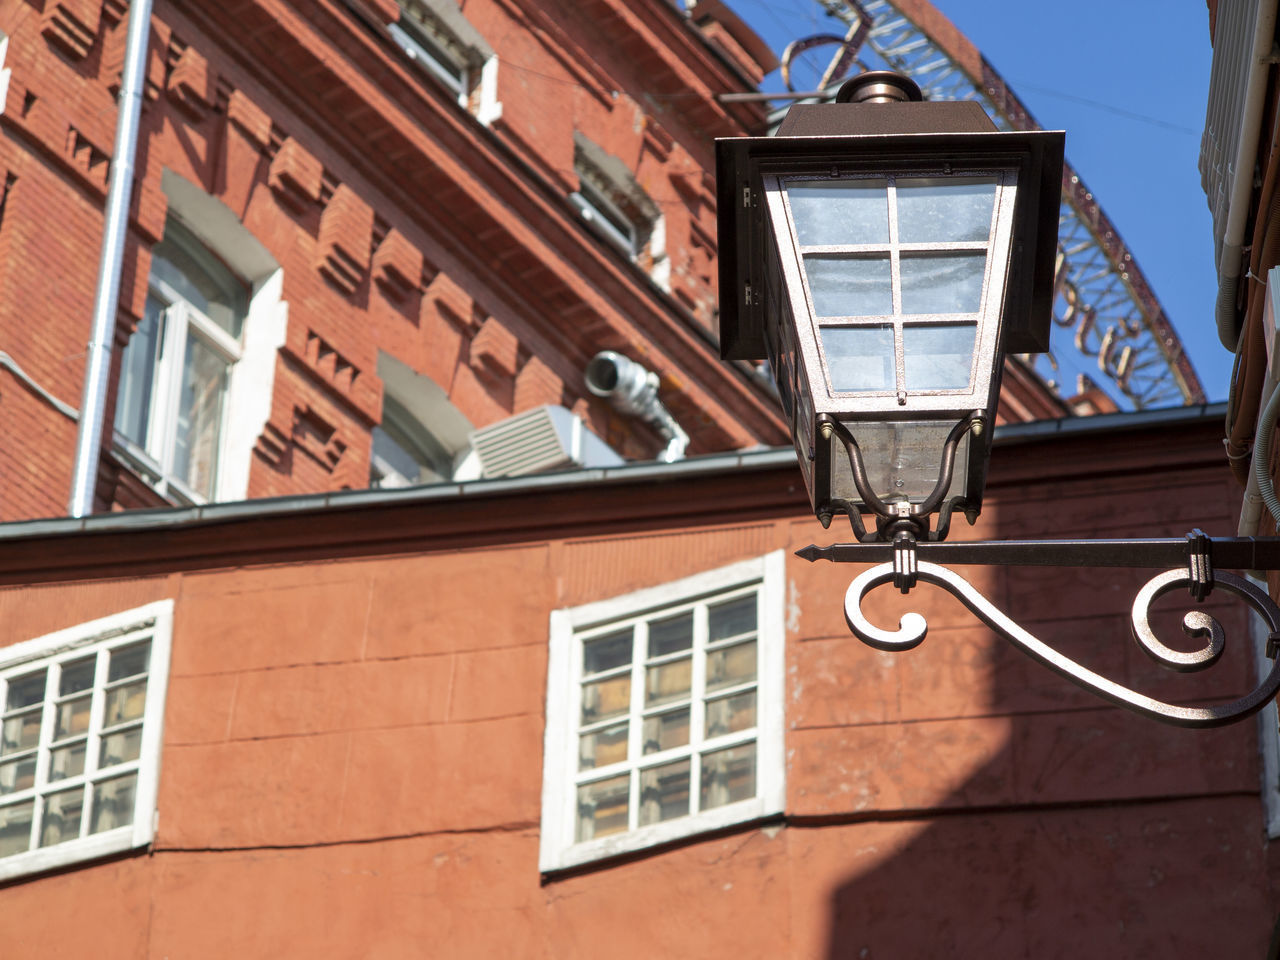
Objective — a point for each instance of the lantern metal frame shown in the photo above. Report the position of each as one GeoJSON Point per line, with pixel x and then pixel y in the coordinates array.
{"type": "Point", "coordinates": [765, 298]}
{"type": "Point", "coordinates": [767, 308]}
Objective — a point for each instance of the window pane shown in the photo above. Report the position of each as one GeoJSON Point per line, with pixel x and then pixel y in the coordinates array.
{"type": "Point", "coordinates": [606, 653]}
{"type": "Point", "coordinates": [61, 816]}
{"type": "Point", "coordinates": [731, 665]}
{"type": "Point", "coordinates": [72, 717]}
{"type": "Point", "coordinates": [21, 732]}
{"type": "Point", "coordinates": [120, 747]}
{"type": "Point", "coordinates": [204, 385]}
{"type": "Point", "coordinates": [732, 619]}
{"type": "Point", "coordinates": [859, 358]}
{"type": "Point", "coordinates": [17, 775]}
{"type": "Point", "coordinates": [67, 761]}
{"type": "Point", "coordinates": [668, 636]}
{"type": "Point", "coordinates": [76, 676]}
{"type": "Point", "coordinates": [728, 776]}
{"type": "Point", "coordinates": [124, 703]}
{"type": "Point", "coordinates": [904, 459]}
{"type": "Point", "coordinates": [603, 807]}
{"type": "Point", "coordinates": [15, 828]}
{"type": "Point", "coordinates": [731, 714]}
{"type": "Point", "coordinates": [938, 356]}
{"type": "Point", "coordinates": [606, 698]}
{"type": "Point", "coordinates": [668, 681]}
{"type": "Point", "coordinates": [664, 792]}
{"type": "Point", "coordinates": [666, 730]}
{"type": "Point", "coordinates": [129, 661]}
{"type": "Point", "coordinates": [137, 375]}
{"type": "Point", "coordinates": [601, 747]}
{"type": "Point", "coordinates": [938, 209]}
{"type": "Point", "coordinates": [184, 263]}
{"type": "Point", "coordinates": [946, 283]}
{"type": "Point", "coordinates": [113, 803]}
{"type": "Point", "coordinates": [850, 286]}
{"type": "Point", "coordinates": [830, 212]}
{"type": "Point", "coordinates": [25, 691]}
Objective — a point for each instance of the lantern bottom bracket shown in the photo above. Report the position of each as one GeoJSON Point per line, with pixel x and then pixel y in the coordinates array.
{"type": "Point", "coordinates": [1191, 567]}
{"type": "Point", "coordinates": [901, 516]}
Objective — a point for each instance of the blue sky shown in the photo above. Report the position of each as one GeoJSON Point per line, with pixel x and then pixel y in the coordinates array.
{"type": "Point", "coordinates": [1128, 81]}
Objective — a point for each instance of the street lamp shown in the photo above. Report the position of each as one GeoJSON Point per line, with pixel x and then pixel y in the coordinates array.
{"type": "Point", "coordinates": [883, 254]}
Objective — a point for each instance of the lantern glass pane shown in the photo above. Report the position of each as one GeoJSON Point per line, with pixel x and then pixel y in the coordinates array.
{"type": "Point", "coordinates": [943, 283]}
{"type": "Point", "coordinates": [859, 359]}
{"type": "Point", "coordinates": [940, 210]}
{"type": "Point", "coordinates": [902, 459]}
{"type": "Point", "coordinates": [850, 286]}
{"type": "Point", "coordinates": [831, 212]}
{"type": "Point", "coordinates": [939, 356]}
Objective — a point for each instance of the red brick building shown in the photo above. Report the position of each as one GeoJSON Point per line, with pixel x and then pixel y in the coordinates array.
{"type": "Point", "coordinates": [541, 716]}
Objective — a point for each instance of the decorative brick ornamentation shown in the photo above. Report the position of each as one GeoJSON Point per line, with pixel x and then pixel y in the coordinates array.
{"type": "Point", "coordinates": [191, 84]}
{"type": "Point", "coordinates": [91, 161]}
{"type": "Point", "coordinates": [332, 369]}
{"type": "Point", "coordinates": [317, 437]}
{"type": "Point", "coordinates": [537, 385]}
{"type": "Point", "coordinates": [494, 349]}
{"type": "Point", "coordinates": [72, 25]}
{"type": "Point", "coordinates": [250, 119]}
{"type": "Point", "coordinates": [295, 176]}
{"type": "Point", "coordinates": [346, 234]}
{"type": "Point", "coordinates": [397, 266]}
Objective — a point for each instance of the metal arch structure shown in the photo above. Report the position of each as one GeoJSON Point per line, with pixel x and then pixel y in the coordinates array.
{"type": "Point", "coordinates": [1109, 329]}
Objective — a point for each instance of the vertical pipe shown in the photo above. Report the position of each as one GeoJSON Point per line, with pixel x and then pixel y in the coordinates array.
{"type": "Point", "coordinates": [114, 234]}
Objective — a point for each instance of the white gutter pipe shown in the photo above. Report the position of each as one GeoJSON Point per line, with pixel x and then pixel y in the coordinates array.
{"type": "Point", "coordinates": [634, 390]}
{"type": "Point", "coordinates": [1260, 59]}
{"type": "Point", "coordinates": [115, 227]}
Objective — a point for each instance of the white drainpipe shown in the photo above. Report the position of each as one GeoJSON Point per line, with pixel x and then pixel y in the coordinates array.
{"type": "Point", "coordinates": [114, 233]}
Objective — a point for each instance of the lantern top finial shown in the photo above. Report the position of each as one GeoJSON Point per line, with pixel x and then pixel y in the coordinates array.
{"type": "Point", "coordinates": [879, 86]}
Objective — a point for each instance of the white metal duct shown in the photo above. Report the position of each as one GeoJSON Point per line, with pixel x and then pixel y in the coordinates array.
{"type": "Point", "coordinates": [544, 438]}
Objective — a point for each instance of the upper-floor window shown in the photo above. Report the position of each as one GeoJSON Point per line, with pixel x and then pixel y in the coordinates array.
{"type": "Point", "coordinates": [197, 374]}
{"type": "Point", "coordinates": [436, 36]}
{"type": "Point", "coordinates": [175, 370]}
{"type": "Point", "coordinates": [422, 438]}
{"type": "Point", "coordinates": [80, 739]}
{"type": "Point", "coordinates": [664, 714]}
{"type": "Point", "coordinates": [617, 208]}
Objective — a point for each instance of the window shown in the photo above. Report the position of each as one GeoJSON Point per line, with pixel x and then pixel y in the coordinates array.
{"type": "Point", "coordinates": [196, 377]}
{"type": "Point", "coordinates": [436, 36]}
{"type": "Point", "coordinates": [664, 714]}
{"type": "Point", "coordinates": [617, 208]}
{"type": "Point", "coordinates": [175, 370]}
{"type": "Point", "coordinates": [80, 740]}
{"type": "Point", "coordinates": [423, 438]}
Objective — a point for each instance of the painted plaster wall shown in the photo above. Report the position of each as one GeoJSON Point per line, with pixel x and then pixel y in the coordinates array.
{"type": "Point", "coordinates": [353, 759]}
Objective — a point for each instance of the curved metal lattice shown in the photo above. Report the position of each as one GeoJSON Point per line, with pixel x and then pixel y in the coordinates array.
{"type": "Point", "coordinates": [1109, 329]}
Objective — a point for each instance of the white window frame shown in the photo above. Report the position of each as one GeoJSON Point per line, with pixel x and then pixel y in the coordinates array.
{"type": "Point", "coordinates": [606, 218]}
{"type": "Point", "coordinates": [436, 35]}
{"type": "Point", "coordinates": [561, 776]}
{"type": "Point", "coordinates": [247, 404]}
{"type": "Point", "coordinates": [178, 318]}
{"type": "Point", "coordinates": [153, 621]}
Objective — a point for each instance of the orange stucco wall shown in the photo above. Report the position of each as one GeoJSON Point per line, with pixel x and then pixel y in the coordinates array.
{"type": "Point", "coordinates": [352, 758]}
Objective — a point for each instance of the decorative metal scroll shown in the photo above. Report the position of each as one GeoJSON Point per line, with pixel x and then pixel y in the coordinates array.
{"type": "Point", "coordinates": [1109, 329]}
{"type": "Point", "coordinates": [912, 629]}
{"type": "Point", "coordinates": [1198, 553]}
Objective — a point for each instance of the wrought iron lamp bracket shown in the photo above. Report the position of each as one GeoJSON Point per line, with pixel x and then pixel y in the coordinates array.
{"type": "Point", "coordinates": [1188, 562]}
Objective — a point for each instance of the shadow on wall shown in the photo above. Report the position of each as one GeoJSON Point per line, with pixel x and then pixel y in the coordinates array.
{"type": "Point", "coordinates": [1087, 831]}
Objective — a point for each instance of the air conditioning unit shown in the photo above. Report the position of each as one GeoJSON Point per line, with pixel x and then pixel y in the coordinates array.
{"type": "Point", "coordinates": [538, 440]}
